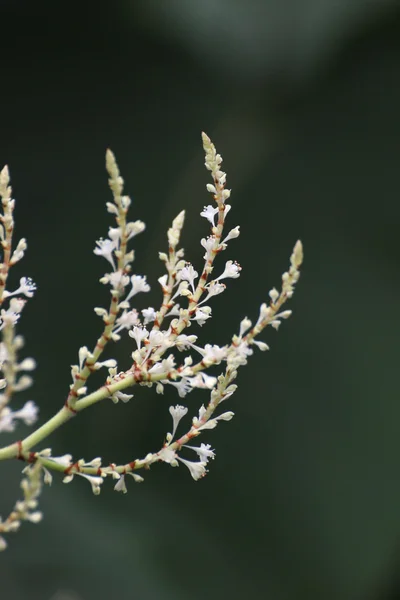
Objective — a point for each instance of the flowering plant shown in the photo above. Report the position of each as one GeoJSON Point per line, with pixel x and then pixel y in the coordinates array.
{"type": "Point", "coordinates": [159, 338]}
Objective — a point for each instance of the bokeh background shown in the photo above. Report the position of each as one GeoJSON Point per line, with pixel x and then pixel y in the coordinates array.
{"type": "Point", "coordinates": [302, 99]}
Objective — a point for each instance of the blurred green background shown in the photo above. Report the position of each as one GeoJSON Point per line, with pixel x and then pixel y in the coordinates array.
{"type": "Point", "coordinates": [302, 100]}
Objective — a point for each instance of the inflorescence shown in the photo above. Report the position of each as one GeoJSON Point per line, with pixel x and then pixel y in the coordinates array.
{"type": "Point", "coordinates": [155, 333]}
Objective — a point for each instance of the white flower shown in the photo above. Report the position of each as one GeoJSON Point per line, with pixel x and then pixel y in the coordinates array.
{"type": "Point", "coordinates": [149, 315]}
{"type": "Point", "coordinates": [19, 251]}
{"type": "Point", "coordinates": [201, 315]}
{"type": "Point", "coordinates": [23, 383]}
{"type": "Point", "coordinates": [188, 274]}
{"type": "Point", "coordinates": [261, 345]}
{"type": "Point", "coordinates": [203, 381]}
{"type": "Point", "coordinates": [94, 480]}
{"type": "Point", "coordinates": [139, 334]}
{"type": "Point", "coordinates": [177, 412]}
{"type": "Point", "coordinates": [64, 461]}
{"type": "Point", "coordinates": [234, 233]}
{"type": "Point", "coordinates": [245, 324]}
{"type": "Point", "coordinates": [121, 396]}
{"type": "Point", "coordinates": [203, 451]}
{"type": "Point", "coordinates": [34, 517]}
{"type": "Point", "coordinates": [197, 469]}
{"type": "Point", "coordinates": [183, 386]}
{"type": "Point", "coordinates": [120, 486]}
{"type": "Point", "coordinates": [232, 270]}
{"type": "Point", "coordinates": [238, 353]}
{"type": "Point", "coordinates": [212, 423]}
{"type": "Point", "coordinates": [168, 455]}
{"type": "Point", "coordinates": [209, 245]}
{"type": "Point", "coordinates": [209, 213]}
{"type": "Point", "coordinates": [12, 314]}
{"type": "Point", "coordinates": [139, 284]}
{"type": "Point", "coordinates": [28, 413]}
{"type": "Point", "coordinates": [212, 354]}
{"type": "Point", "coordinates": [213, 289]}
{"type": "Point", "coordinates": [28, 364]}
{"type": "Point", "coordinates": [26, 287]}
{"type": "Point", "coordinates": [134, 228]}
{"type": "Point", "coordinates": [126, 320]}
{"type": "Point", "coordinates": [166, 365]}
{"type": "Point", "coordinates": [117, 280]}
{"type": "Point", "coordinates": [106, 248]}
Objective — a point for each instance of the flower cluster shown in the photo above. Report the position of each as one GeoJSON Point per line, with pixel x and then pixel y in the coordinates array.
{"type": "Point", "coordinates": [163, 352]}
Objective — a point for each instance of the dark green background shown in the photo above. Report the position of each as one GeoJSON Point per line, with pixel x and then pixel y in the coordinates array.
{"type": "Point", "coordinates": [302, 100]}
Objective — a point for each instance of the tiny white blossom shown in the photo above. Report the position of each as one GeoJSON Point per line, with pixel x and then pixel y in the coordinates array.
{"type": "Point", "coordinates": [201, 315]}
{"type": "Point", "coordinates": [149, 315]}
{"type": "Point", "coordinates": [188, 274]}
{"type": "Point", "coordinates": [28, 413]}
{"type": "Point", "coordinates": [245, 324]}
{"type": "Point", "coordinates": [209, 213]}
{"type": "Point", "coordinates": [212, 423]}
{"type": "Point", "coordinates": [121, 396]}
{"type": "Point", "coordinates": [139, 334]}
{"type": "Point", "coordinates": [106, 248]}
{"type": "Point", "coordinates": [177, 413]}
{"type": "Point", "coordinates": [120, 486]}
{"type": "Point", "coordinates": [197, 469]}
{"type": "Point", "coordinates": [26, 287]}
{"type": "Point", "coordinates": [232, 270]}
{"type": "Point", "coordinates": [94, 480]}
{"type": "Point", "coordinates": [234, 233]}
{"type": "Point", "coordinates": [168, 455]}
{"type": "Point", "coordinates": [139, 284]}
{"type": "Point", "coordinates": [203, 451]}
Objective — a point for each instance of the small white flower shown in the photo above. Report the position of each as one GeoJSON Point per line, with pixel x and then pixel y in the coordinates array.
{"type": "Point", "coordinates": [234, 233]}
{"type": "Point", "coordinates": [212, 423]}
{"type": "Point", "coordinates": [177, 412]}
{"type": "Point", "coordinates": [183, 386]}
{"type": "Point", "coordinates": [149, 315]}
{"type": "Point", "coordinates": [19, 251]}
{"type": "Point", "coordinates": [203, 451]}
{"type": "Point", "coordinates": [126, 320]}
{"type": "Point", "coordinates": [188, 274]}
{"type": "Point", "coordinates": [26, 287]}
{"type": "Point", "coordinates": [209, 213]}
{"type": "Point", "coordinates": [168, 455]}
{"type": "Point", "coordinates": [209, 245]}
{"type": "Point", "coordinates": [137, 478]}
{"type": "Point", "coordinates": [134, 228]}
{"type": "Point", "coordinates": [35, 517]}
{"type": "Point", "coordinates": [213, 289]}
{"type": "Point", "coordinates": [120, 486]}
{"type": "Point", "coordinates": [203, 381]}
{"type": "Point", "coordinates": [261, 345]}
{"type": "Point", "coordinates": [213, 354]}
{"type": "Point", "coordinates": [94, 480]}
{"type": "Point", "coordinates": [197, 469]}
{"type": "Point", "coordinates": [28, 413]}
{"type": "Point", "coordinates": [245, 324]}
{"type": "Point", "coordinates": [201, 315]}
{"type": "Point", "coordinates": [139, 334]}
{"type": "Point", "coordinates": [118, 280]}
{"type": "Point", "coordinates": [64, 461]}
{"type": "Point", "coordinates": [106, 248]}
{"type": "Point", "coordinates": [232, 270]}
{"type": "Point", "coordinates": [48, 477]}
{"type": "Point", "coordinates": [121, 396]}
{"type": "Point", "coordinates": [139, 284]}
